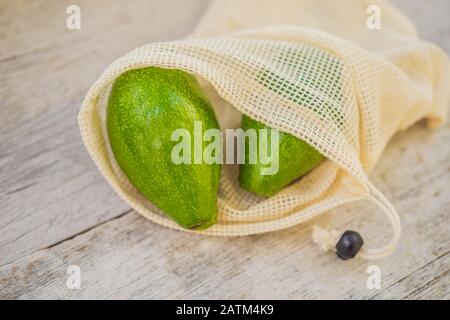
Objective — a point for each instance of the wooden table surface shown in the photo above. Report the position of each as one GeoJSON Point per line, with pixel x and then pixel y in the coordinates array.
{"type": "Point", "coordinates": [56, 210]}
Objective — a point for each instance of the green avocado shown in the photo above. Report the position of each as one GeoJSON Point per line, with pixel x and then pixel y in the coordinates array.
{"type": "Point", "coordinates": [296, 158]}
{"type": "Point", "coordinates": [144, 108]}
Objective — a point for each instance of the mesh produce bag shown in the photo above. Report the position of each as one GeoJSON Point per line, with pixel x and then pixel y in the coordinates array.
{"type": "Point", "coordinates": [309, 68]}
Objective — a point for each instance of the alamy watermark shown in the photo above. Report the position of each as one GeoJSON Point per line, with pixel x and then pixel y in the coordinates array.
{"type": "Point", "coordinates": [73, 21]}
{"type": "Point", "coordinates": [263, 147]}
{"type": "Point", "coordinates": [373, 21]}
{"type": "Point", "coordinates": [374, 279]}
{"type": "Point", "coordinates": [73, 281]}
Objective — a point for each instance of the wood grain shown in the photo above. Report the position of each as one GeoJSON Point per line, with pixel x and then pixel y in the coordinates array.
{"type": "Point", "coordinates": [49, 187]}
{"type": "Point", "coordinates": [131, 257]}
{"type": "Point", "coordinates": [56, 210]}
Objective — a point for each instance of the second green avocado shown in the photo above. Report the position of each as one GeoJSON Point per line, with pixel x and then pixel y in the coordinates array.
{"type": "Point", "coordinates": [145, 107]}
{"type": "Point", "coordinates": [296, 158]}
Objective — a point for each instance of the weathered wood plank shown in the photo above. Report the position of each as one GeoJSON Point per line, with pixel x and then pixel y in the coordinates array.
{"type": "Point", "coordinates": [431, 19]}
{"type": "Point", "coordinates": [430, 281]}
{"type": "Point", "coordinates": [49, 188]}
{"type": "Point", "coordinates": [131, 257]}
{"type": "Point", "coordinates": [41, 25]}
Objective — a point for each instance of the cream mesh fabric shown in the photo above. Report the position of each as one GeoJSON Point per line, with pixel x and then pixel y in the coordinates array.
{"type": "Point", "coordinates": [309, 68]}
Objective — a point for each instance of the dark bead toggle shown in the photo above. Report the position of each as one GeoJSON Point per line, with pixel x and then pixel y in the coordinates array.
{"type": "Point", "coordinates": [349, 244]}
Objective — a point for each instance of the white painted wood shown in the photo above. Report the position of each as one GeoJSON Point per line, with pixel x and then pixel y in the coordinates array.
{"type": "Point", "coordinates": [131, 257]}
{"type": "Point", "coordinates": [51, 192]}
{"type": "Point", "coordinates": [49, 187]}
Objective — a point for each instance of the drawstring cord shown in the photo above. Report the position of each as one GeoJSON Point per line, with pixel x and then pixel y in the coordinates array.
{"type": "Point", "coordinates": [327, 239]}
